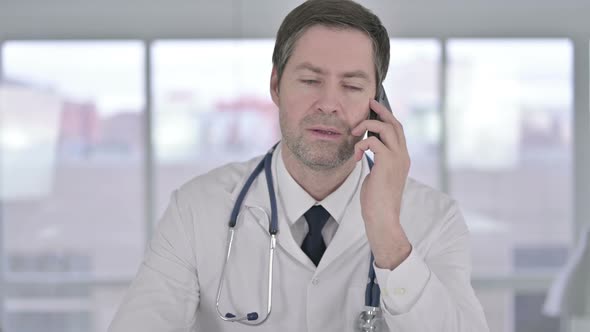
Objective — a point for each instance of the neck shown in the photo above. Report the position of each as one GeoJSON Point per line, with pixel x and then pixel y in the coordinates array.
{"type": "Point", "coordinates": [317, 183]}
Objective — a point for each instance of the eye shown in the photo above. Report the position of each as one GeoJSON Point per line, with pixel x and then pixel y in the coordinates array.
{"type": "Point", "coordinates": [309, 82]}
{"type": "Point", "coordinates": [353, 88]}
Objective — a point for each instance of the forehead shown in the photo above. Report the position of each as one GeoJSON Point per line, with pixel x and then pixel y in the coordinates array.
{"type": "Point", "coordinates": [334, 49]}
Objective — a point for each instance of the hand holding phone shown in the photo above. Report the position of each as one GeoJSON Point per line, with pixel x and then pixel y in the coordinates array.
{"type": "Point", "coordinates": [383, 188]}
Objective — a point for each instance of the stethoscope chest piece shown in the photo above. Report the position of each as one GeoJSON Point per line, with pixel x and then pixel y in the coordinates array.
{"type": "Point", "coordinates": [370, 320]}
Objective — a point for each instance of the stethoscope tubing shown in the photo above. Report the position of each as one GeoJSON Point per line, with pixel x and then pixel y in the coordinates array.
{"type": "Point", "coordinates": [372, 292]}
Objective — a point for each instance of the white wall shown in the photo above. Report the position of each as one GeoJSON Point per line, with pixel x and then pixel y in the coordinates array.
{"type": "Point", "coordinates": [260, 18]}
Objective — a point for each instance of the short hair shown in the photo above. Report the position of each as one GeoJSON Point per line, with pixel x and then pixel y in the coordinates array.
{"type": "Point", "coordinates": [344, 14]}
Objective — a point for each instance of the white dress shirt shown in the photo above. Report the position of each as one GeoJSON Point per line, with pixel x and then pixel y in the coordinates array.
{"type": "Point", "coordinates": [297, 201]}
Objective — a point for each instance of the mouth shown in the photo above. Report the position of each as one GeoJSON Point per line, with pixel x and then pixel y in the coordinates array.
{"type": "Point", "coordinates": [325, 132]}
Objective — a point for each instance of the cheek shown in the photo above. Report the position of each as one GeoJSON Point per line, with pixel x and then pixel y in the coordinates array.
{"type": "Point", "coordinates": [292, 109]}
{"type": "Point", "coordinates": [303, 94]}
{"type": "Point", "coordinates": [358, 112]}
{"type": "Point", "coordinates": [296, 101]}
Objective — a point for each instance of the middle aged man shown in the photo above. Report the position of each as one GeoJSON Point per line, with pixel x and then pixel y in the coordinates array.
{"type": "Point", "coordinates": [329, 60]}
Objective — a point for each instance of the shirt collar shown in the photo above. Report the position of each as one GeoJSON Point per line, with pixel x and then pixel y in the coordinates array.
{"type": "Point", "coordinates": [296, 201]}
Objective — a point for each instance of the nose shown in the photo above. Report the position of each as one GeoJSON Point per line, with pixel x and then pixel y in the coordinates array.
{"type": "Point", "coordinates": [329, 99]}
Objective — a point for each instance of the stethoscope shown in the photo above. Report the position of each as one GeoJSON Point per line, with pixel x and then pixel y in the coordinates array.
{"type": "Point", "coordinates": [369, 319]}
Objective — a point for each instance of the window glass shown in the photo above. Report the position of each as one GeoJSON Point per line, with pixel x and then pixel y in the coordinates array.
{"type": "Point", "coordinates": [71, 178]}
{"type": "Point", "coordinates": [510, 150]}
{"type": "Point", "coordinates": [212, 106]}
{"type": "Point", "coordinates": [413, 91]}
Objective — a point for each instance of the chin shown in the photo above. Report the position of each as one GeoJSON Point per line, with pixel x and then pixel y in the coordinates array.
{"type": "Point", "coordinates": [324, 160]}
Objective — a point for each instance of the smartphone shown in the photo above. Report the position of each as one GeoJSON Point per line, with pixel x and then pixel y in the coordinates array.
{"type": "Point", "coordinates": [382, 99]}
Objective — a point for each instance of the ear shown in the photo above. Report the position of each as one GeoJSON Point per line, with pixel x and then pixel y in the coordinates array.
{"type": "Point", "coordinates": [274, 86]}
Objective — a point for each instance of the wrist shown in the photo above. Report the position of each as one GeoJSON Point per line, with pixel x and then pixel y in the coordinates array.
{"type": "Point", "coordinates": [392, 258]}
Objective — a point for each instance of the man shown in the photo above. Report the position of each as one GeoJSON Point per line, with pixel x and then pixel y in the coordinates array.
{"type": "Point", "coordinates": [329, 59]}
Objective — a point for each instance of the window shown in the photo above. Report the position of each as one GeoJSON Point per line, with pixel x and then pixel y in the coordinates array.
{"type": "Point", "coordinates": [510, 162]}
{"type": "Point", "coordinates": [211, 107]}
{"type": "Point", "coordinates": [71, 179]}
{"type": "Point", "coordinates": [71, 127]}
{"type": "Point", "coordinates": [413, 92]}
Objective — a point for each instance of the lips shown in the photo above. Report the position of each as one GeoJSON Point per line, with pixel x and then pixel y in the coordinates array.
{"type": "Point", "coordinates": [325, 133]}
{"type": "Point", "coordinates": [325, 130]}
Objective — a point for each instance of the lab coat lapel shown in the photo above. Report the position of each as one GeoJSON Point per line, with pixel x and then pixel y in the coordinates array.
{"type": "Point", "coordinates": [258, 197]}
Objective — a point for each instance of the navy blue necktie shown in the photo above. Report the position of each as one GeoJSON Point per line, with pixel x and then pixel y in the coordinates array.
{"type": "Point", "coordinates": [313, 244]}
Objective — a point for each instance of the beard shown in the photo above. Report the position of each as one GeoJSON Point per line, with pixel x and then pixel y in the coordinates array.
{"type": "Point", "coordinates": [316, 154]}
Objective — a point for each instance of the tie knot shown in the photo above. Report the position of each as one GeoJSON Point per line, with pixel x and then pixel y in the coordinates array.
{"type": "Point", "coordinates": [316, 218]}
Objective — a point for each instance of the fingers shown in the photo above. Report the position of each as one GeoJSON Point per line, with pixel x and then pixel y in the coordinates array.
{"type": "Point", "coordinates": [385, 130]}
{"type": "Point", "coordinates": [390, 130]}
{"type": "Point", "coordinates": [384, 114]}
{"type": "Point", "coordinates": [387, 116]}
{"type": "Point", "coordinates": [371, 143]}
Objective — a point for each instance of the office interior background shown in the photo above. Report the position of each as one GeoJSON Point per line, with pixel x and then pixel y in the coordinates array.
{"type": "Point", "coordinates": [107, 106]}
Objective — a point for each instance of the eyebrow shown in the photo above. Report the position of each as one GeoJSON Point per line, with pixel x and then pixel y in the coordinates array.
{"type": "Point", "coordinates": [356, 73]}
{"type": "Point", "coordinates": [352, 74]}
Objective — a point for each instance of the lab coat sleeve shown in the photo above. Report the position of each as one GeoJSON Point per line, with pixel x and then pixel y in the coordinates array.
{"type": "Point", "coordinates": [433, 290]}
{"type": "Point", "coordinates": [165, 292]}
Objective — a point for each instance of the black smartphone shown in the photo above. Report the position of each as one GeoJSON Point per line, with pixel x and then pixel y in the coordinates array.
{"type": "Point", "coordinates": [382, 99]}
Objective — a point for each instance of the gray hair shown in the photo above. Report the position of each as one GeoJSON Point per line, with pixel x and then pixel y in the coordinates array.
{"type": "Point", "coordinates": [344, 14]}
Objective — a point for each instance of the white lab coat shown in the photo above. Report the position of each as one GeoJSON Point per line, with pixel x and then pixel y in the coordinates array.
{"type": "Point", "coordinates": [175, 288]}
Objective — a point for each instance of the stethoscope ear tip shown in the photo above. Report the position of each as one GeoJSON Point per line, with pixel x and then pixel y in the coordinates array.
{"type": "Point", "coordinates": [230, 315]}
